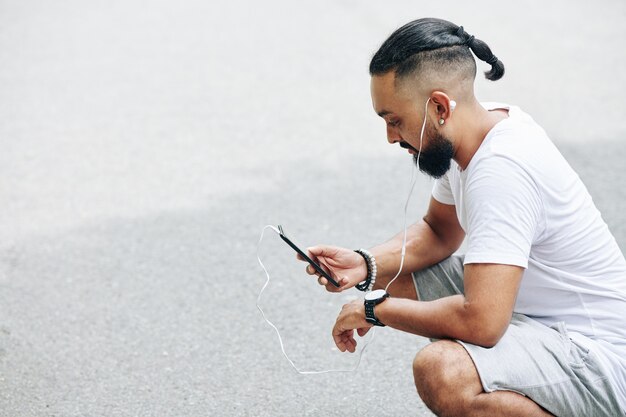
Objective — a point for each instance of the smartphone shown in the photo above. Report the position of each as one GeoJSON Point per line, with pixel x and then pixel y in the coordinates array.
{"type": "Point", "coordinates": [304, 255]}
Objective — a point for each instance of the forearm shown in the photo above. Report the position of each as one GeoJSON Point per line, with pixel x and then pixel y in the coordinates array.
{"type": "Point", "coordinates": [423, 249]}
{"type": "Point", "coordinates": [445, 318]}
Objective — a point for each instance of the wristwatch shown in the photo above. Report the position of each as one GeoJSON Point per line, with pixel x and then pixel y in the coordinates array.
{"type": "Point", "coordinates": [372, 299]}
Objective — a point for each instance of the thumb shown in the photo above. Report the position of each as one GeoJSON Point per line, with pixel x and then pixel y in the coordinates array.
{"type": "Point", "coordinates": [322, 250]}
{"type": "Point", "coordinates": [362, 331]}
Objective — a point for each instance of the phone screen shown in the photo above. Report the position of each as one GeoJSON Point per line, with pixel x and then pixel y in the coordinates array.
{"type": "Point", "coordinates": [309, 260]}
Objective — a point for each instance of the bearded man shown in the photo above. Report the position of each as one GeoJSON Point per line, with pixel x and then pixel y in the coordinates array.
{"type": "Point", "coordinates": [530, 321]}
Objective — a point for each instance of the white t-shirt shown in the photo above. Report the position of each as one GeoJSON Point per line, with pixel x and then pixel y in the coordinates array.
{"type": "Point", "coordinates": [520, 203]}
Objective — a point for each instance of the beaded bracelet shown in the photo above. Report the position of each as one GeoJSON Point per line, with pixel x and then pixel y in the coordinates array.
{"type": "Point", "coordinates": [370, 262]}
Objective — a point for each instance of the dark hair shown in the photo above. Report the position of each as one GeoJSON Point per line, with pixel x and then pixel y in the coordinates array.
{"type": "Point", "coordinates": [407, 47]}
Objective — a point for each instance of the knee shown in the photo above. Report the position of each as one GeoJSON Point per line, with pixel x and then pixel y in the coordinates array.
{"type": "Point", "coordinates": [440, 379]}
{"type": "Point", "coordinates": [429, 372]}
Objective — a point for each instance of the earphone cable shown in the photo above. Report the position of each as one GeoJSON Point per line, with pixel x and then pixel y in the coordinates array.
{"type": "Point", "coordinates": [408, 199]}
{"type": "Point", "coordinates": [403, 253]}
{"type": "Point", "coordinates": [280, 339]}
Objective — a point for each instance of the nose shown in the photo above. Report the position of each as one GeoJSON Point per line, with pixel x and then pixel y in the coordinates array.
{"type": "Point", "coordinates": [392, 135]}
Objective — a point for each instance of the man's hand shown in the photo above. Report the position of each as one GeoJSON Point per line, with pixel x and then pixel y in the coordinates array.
{"type": "Point", "coordinates": [352, 316]}
{"type": "Point", "coordinates": [346, 266]}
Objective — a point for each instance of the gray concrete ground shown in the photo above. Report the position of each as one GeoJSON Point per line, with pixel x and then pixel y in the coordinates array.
{"type": "Point", "coordinates": [145, 144]}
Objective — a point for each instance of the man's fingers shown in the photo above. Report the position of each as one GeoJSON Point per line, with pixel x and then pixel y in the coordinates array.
{"type": "Point", "coordinates": [309, 254]}
{"type": "Point", "coordinates": [312, 271]}
{"type": "Point", "coordinates": [309, 269]}
{"type": "Point", "coordinates": [329, 287]}
{"type": "Point", "coordinates": [344, 341]}
{"type": "Point", "coordinates": [347, 341]}
{"type": "Point", "coordinates": [317, 251]}
{"type": "Point", "coordinates": [339, 342]}
{"type": "Point", "coordinates": [322, 263]}
{"type": "Point", "coordinates": [350, 343]}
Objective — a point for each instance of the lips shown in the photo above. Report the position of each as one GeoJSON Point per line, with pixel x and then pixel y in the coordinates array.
{"type": "Point", "coordinates": [411, 149]}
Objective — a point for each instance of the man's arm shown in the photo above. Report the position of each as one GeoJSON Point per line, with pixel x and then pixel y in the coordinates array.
{"type": "Point", "coordinates": [429, 241]}
{"type": "Point", "coordinates": [480, 317]}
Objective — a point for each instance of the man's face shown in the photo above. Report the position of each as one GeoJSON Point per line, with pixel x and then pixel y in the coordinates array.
{"type": "Point", "coordinates": [402, 111]}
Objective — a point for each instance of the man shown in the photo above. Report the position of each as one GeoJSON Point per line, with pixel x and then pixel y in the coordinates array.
{"type": "Point", "coordinates": [532, 320]}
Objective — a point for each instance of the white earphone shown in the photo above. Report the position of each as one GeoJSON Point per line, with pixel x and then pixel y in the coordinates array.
{"type": "Point", "coordinates": [452, 107]}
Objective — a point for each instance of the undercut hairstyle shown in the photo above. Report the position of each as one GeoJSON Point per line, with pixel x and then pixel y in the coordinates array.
{"type": "Point", "coordinates": [437, 43]}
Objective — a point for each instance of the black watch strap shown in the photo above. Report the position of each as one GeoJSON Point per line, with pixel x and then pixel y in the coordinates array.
{"type": "Point", "coordinates": [372, 299]}
{"type": "Point", "coordinates": [370, 317]}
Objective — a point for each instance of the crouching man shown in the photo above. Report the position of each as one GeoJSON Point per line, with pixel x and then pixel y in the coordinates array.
{"type": "Point", "coordinates": [531, 321]}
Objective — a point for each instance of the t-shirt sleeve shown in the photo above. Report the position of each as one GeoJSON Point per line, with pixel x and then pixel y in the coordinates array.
{"type": "Point", "coordinates": [442, 191]}
{"type": "Point", "coordinates": [504, 212]}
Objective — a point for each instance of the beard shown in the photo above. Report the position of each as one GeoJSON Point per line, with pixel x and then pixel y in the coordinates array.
{"type": "Point", "coordinates": [436, 159]}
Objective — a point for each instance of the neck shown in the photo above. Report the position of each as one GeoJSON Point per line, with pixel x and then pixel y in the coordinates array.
{"type": "Point", "coordinates": [472, 125]}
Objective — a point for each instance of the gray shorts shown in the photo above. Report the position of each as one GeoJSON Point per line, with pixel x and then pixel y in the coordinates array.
{"type": "Point", "coordinates": [534, 360]}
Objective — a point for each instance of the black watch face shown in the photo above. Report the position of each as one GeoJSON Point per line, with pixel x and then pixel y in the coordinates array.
{"type": "Point", "coordinates": [375, 295]}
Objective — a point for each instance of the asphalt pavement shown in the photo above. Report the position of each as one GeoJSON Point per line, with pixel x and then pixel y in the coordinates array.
{"type": "Point", "coordinates": [144, 146]}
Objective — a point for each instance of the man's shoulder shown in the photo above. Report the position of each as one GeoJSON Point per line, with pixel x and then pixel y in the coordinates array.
{"type": "Point", "coordinates": [519, 141]}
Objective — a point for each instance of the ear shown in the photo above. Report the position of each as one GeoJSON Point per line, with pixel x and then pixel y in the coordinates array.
{"type": "Point", "coordinates": [444, 105]}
